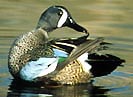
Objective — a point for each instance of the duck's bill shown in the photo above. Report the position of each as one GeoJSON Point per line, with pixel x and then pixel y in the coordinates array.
{"type": "Point", "coordinates": [72, 24]}
{"type": "Point", "coordinates": [78, 28]}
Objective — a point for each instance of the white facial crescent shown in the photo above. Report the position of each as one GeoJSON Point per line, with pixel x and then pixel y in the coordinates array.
{"type": "Point", "coordinates": [63, 18]}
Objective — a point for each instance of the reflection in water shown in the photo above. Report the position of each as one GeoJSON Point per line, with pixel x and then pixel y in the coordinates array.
{"type": "Point", "coordinates": [18, 89]}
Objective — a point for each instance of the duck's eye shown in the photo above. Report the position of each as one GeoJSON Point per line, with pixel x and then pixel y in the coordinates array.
{"type": "Point", "coordinates": [60, 13]}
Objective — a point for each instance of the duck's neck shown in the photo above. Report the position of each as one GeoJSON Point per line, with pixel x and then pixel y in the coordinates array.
{"type": "Point", "coordinates": [45, 26]}
{"type": "Point", "coordinates": [40, 30]}
{"type": "Point", "coordinates": [48, 29]}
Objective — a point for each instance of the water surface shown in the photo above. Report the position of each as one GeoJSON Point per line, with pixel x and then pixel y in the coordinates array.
{"type": "Point", "coordinates": [111, 19]}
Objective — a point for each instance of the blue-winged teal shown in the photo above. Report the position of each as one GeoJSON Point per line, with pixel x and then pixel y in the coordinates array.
{"type": "Point", "coordinates": [34, 56]}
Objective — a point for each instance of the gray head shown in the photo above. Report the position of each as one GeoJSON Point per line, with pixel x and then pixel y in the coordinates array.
{"type": "Point", "coordinates": [56, 17]}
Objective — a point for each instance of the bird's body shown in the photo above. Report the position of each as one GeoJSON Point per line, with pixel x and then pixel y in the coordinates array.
{"type": "Point", "coordinates": [34, 56]}
{"type": "Point", "coordinates": [33, 45]}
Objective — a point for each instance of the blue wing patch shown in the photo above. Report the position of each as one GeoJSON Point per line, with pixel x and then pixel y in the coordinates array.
{"type": "Point", "coordinates": [60, 53]}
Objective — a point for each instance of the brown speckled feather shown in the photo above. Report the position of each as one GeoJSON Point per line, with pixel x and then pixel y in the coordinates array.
{"type": "Point", "coordinates": [27, 47]}
{"type": "Point", "coordinates": [73, 73]}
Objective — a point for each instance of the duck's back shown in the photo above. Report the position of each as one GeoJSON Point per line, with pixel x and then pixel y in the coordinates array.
{"type": "Point", "coordinates": [27, 47]}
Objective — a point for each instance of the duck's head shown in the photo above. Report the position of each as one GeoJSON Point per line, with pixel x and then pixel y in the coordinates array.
{"type": "Point", "coordinates": [57, 17]}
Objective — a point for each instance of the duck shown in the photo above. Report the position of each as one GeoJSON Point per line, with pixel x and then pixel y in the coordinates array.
{"type": "Point", "coordinates": [35, 57]}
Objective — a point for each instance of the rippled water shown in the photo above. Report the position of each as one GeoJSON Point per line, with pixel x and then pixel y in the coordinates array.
{"type": "Point", "coordinates": [111, 19]}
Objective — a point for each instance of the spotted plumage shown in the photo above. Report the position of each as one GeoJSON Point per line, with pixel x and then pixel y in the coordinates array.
{"type": "Point", "coordinates": [73, 73]}
{"type": "Point", "coordinates": [27, 47]}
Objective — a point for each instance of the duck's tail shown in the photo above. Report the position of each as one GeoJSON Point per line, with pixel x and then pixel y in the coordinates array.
{"type": "Point", "coordinates": [103, 64]}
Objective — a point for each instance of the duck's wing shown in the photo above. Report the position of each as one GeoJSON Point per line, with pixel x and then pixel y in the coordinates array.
{"type": "Point", "coordinates": [102, 64]}
{"type": "Point", "coordinates": [68, 44]}
{"type": "Point", "coordinates": [87, 46]}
